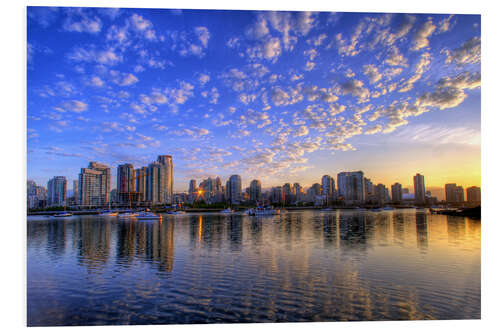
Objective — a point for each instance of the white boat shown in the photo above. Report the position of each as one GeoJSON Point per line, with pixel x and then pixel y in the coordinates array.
{"type": "Point", "coordinates": [227, 211]}
{"type": "Point", "coordinates": [148, 216]}
{"type": "Point", "coordinates": [176, 212]}
{"type": "Point", "coordinates": [62, 214]}
{"type": "Point", "coordinates": [388, 208]}
{"type": "Point", "coordinates": [263, 211]}
{"type": "Point", "coordinates": [127, 214]}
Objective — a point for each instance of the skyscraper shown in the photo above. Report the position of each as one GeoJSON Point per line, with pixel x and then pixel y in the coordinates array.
{"type": "Point", "coordinates": [167, 181]}
{"type": "Point", "coordinates": [351, 187]}
{"type": "Point", "coordinates": [192, 190]}
{"type": "Point", "coordinates": [125, 183]}
{"type": "Point", "coordinates": [94, 185]}
{"type": "Point", "coordinates": [298, 191]}
{"type": "Point", "coordinates": [255, 190]}
{"type": "Point", "coordinates": [140, 183]}
{"type": "Point", "coordinates": [473, 194]}
{"type": "Point", "coordinates": [451, 192]}
{"type": "Point", "coordinates": [277, 195]}
{"type": "Point", "coordinates": [460, 194]}
{"type": "Point", "coordinates": [397, 192]}
{"type": "Point", "coordinates": [57, 188]}
{"type": "Point", "coordinates": [381, 194]}
{"type": "Point", "coordinates": [75, 190]}
{"type": "Point", "coordinates": [419, 188]}
{"type": "Point", "coordinates": [233, 189]}
{"type": "Point", "coordinates": [328, 188]}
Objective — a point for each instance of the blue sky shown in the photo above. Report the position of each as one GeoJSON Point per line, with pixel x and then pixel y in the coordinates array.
{"type": "Point", "coordinates": [278, 96]}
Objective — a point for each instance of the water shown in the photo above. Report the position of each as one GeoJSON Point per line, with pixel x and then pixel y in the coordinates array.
{"type": "Point", "coordinates": [209, 268]}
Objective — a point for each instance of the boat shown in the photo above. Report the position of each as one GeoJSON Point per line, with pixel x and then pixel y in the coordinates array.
{"type": "Point", "coordinates": [176, 212]}
{"type": "Point", "coordinates": [148, 216]}
{"type": "Point", "coordinates": [388, 208]}
{"type": "Point", "coordinates": [128, 214]}
{"type": "Point", "coordinates": [263, 211]}
{"type": "Point", "coordinates": [327, 209]}
{"type": "Point", "coordinates": [108, 213]}
{"type": "Point", "coordinates": [62, 214]}
{"type": "Point", "coordinates": [227, 211]}
{"type": "Point", "coordinates": [376, 209]}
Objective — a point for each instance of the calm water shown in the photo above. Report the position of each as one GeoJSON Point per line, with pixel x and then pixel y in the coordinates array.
{"type": "Point", "coordinates": [207, 268]}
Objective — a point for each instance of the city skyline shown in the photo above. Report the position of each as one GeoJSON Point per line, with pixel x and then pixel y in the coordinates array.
{"type": "Point", "coordinates": [389, 94]}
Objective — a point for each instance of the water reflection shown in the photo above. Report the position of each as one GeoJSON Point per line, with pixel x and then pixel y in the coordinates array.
{"type": "Point", "coordinates": [421, 224]}
{"type": "Point", "coordinates": [302, 266]}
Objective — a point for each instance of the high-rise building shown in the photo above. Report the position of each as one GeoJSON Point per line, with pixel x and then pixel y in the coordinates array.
{"type": "Point", "coordinates": [288, 193]}
{"type": "Point", "coordinates": [473, 194]}
{"type": "Point", "coordinates": [351, 187]}
{"type": "Point", "coordinates": [167, 181]}
{"type": "Point", "coordinates": [140, 183]}
{"type": "Point", "coordinates": [153, 183]}
{"type": "Point", "coordinates": [451, 193]}
{"type": "Point", "coordinates": [397, 192]}
{"type": "Point", "coordinates": [57, 188]}
{"type": "Point", "coordinates": [328, 188]}
{"type": "Point", "coordinates": [192, 190]}
{"type": "Point", "coordinates": [419, 188]}
{"type": "Point", "coordinates": [125, 183]}
{"type": "Point", "coordinates": [159, 180]}
{"type": "Point", "coordinates": [277, 195]}
{"type": "Point", "coordinates": [233, 189]}
{"type": "Point", "coordinates": [255, 191]}
{"type": "Point", "coordinates": [381, 194]}
{"type": "Point", "coordinates": [36, 195]}
{"type": "Point", "coordinates": [460, 194]}
{"type": "Point", "coordinates": [369, 191]}
{"type": "Point", "coordinates": [94, 185]}
{"type": "Point", "coordinates": [299, 192]}
{"type": "Point", "coordinates": [75, 190]}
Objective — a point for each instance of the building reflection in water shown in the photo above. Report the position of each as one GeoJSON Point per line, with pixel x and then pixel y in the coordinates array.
{"type": "Point", "coordinates": [421, 225]}
{"type": "Point", "coordinates": [353, 232]}
{"type": "Point", "coordinates": [235, 232]}
{"type": "Point", "coordinates": [93, 243]}
{"type": "Point", "coordinates": [456, 228]}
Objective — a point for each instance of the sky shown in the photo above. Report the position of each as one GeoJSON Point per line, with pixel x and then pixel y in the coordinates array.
{"type": "Point", "coordinates": [276, 96]}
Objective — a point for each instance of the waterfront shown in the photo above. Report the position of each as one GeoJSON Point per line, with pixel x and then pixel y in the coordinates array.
{"type": "Point", "coordinates": [207, 268]}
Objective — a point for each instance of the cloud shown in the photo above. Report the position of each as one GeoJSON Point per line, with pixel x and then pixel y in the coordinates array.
{"type": "Point", "coordinates": [105, 57]}
{"type": "Point", "coordinates": [203, 78]}
{"type": "Point", "coordinates": [142, 25]}
{"type": "Point", "coordinates": [420, 68]}
{"type": "Point", "coordinates": [394, 58]}
{"type": "Point", "coordinates": [123, 79]}
{"type": "Point", "coordinates": [282, 97]}
{"type": "Point", "coordinates": [272, 49]}
{"type": "Point", "coordinates": [374, 129]}
{"type": "Point", "coordinates": [301, 131]}
{"type": "Point", "coordinates": [75, 106]}
{"type": "Point", "coordinates": [446, 24]}
{"type": "Point", "coordinates": [96, 81]}
{"type": "Point", "coordinates": [421, 39]}
{"type": "Point", "coordinates": [371, 71]}
{"type": "Point", "coordinates": [437, 134]}
{"type": "Point", "coordinates": [468, 53]}
{"type": "Point", "coordinates": [203, 35]}
{"type": "Point", "coordinates": [79, 21]}
{"type": "Point", "coordinates": [356, 88]}
{"type": "Point", "coordinates": [449, 92]}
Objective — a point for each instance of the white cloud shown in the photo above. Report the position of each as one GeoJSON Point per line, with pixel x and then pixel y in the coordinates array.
{"type": "Point", "coordinates": [203, 35]}
{"type": "Point", "coordinates": [75, 106]}
{"type": "Point", "coordinates": [468, 53]}
{"type": "Point", "coordinates": [302, 131]}
{"type": "Point", "coordinates": [371, 71]}
{"type": "Point", "coordinates": [421, 39]}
